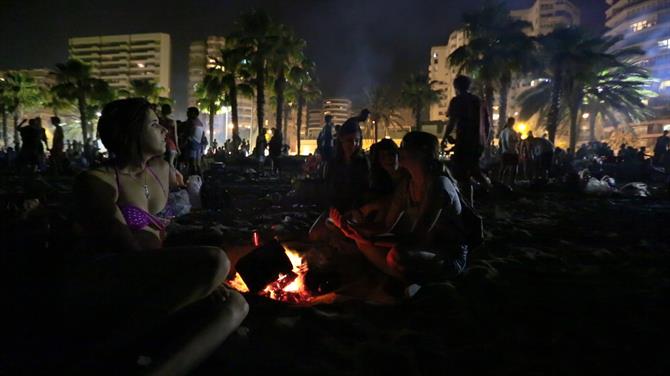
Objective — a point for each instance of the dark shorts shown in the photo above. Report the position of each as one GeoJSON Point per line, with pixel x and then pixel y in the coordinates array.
{"type": "Point", "coordinates": [509, 159]}
{"type": "Point", "coordinates": [466, 163]}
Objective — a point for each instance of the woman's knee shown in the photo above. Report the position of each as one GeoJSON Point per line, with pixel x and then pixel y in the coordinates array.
{"type": "Point", "coordinates": [214, 265]}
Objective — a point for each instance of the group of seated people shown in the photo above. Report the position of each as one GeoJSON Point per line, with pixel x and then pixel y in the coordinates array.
{"type": "Point", "coordinates": [136, 285]}
{"type": "Point", "coordinates": [401, 209]}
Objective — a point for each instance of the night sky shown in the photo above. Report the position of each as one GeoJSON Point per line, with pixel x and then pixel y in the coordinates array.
{"type": "Point", "coordinates": [356, 44]}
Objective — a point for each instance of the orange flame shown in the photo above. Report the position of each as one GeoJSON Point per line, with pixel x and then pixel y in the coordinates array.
{"type": "Point", "coordinates": [238, 284]}
{"type": "Point", "coordinates": [287, 287]}
{"type": "Point", "coordinates": [290, 288]}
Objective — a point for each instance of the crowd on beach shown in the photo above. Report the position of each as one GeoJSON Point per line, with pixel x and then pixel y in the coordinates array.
{"type": "Point", "coordinates": [400, 207]}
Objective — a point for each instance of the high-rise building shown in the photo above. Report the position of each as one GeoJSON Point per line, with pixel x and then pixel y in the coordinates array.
{"type": "Point", "coordinates": [443, 73]}
{"type": "Point", "coordinates": [646, 24]}
{"type": "Point", "coordinates": [202, 56]}
{"type": "Point", "coordinates": [340, 108]}
{"type": "Point", "coordinates": [119, 59]}
{"type": "Point", "coordinates": [547, 15]}
{"type": "Point", "coordinates": [314, 122]}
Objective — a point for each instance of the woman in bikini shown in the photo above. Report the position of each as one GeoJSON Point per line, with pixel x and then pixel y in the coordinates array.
{"type": "Point", "coordinates": [129, 284]}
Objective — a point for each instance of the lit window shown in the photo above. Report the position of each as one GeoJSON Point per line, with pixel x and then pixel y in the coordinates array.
{"type": "Point", "coordinates": [640, 25]}
{"type": "Point", "coordinates": [665, 44]}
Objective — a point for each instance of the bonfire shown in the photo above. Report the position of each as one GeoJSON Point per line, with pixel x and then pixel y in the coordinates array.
{"type": "Point", "coordinates": [288, 287]}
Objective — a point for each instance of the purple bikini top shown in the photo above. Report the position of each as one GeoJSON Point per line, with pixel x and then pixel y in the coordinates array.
{"type": "Point", "coordinates": [137, 218]}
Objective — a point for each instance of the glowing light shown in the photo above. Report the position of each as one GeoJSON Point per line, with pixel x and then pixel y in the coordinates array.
{"type": "Point", "coordinates": [586, 115]}
{"type": "Point", "coordinates": [140, 65]}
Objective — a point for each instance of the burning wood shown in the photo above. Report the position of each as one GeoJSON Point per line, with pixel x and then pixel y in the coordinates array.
{"type": "Point", "coordinates": [286, 286]}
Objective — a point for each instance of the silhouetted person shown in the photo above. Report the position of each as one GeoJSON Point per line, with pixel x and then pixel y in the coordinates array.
{"type": "Point", "coordinates": [275, 149]}
{"type": "Point", "coordinates": [261, 145]}
{"type": "Point", "coordinates": [469, 116]}
{"type": "Point", "coordinates": [355, 122]}
{"type": "Point", "coordinates": [661, 148]}
{"type": "Point", "coordinates": [326, 139]}
{"type": "Point", "coordinates": [57, 145]}
{"type": "Point", "coordinates": [509, 150]}
{"type": "Point", "coordinates": [171, 141]}
{"type": "Point", "coordinates": [196, 134]}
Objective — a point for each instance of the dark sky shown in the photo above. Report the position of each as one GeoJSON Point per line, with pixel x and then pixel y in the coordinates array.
{"type": "Point", "coordinates": [356, 44]}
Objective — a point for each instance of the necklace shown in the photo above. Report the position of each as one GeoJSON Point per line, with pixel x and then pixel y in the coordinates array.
{"type": "Point", "coordinates": [146, 186]}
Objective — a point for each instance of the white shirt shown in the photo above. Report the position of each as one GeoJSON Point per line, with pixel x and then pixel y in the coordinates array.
{"type": "Point", "coordinates": [509, 141]}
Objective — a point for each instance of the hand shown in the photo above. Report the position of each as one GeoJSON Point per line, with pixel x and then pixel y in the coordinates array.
{"type": "Point", "coordinates": [179, 179]}
{"type": "Point", "coordinates": [336, 218]}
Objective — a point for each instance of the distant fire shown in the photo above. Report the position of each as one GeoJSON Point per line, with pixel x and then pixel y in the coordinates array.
{"type": "Point", "coordinates": [288, 288]}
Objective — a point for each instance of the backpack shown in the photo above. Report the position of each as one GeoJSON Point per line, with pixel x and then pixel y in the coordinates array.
{"type": "Point", "coordinates": [472, 224]}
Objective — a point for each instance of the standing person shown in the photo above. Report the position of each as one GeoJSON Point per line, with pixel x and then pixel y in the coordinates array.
{"type": "Point", "coordinates": [275, 148]}
{"type": "Point", "coordinates": [171, 141]}
{"type": "Point", "coordinates": [325, 139]}
{"type": "Point", "coordinates": [128, 284]}
{"type": "Point", "coordinates": [355, 122]}
{"type": "Point", "coordinates": [469, 116]}
{"type": "Point", "coordinates": [196, 132]}
{"type": "Point", "coordinates": [509, 149]}
{"type": "Point", "coordinates": [542, 156]}
{"type": "Point", "coordinates": [661, 148]}
{"type": "Point", "coordinates": [57, 145]}
{"type": "Point", "coordinates": [261, 145]}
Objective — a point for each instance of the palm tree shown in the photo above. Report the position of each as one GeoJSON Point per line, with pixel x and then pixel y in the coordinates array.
{"type": "Point", "coordinates": [287, 55]}
{"type": "Point", "coordinates": [258, 34]}
{"type": "Point", "coordinates": [75, 84]}
{"type": "Point", "coordinates": [619, 90]}
{"type": "Point", "coordinates": [591, 80]}
{"type": "Point", "coordinates": [148, 90]}
{"type": "Point", "coordinates": [233, 73]}
{"type": "Point", "coordinates": [303, 86]}
{"type": "Point", "coordinates": [417, 93]}
{"type": "Point", "coordinates": [382, 106]}
{"type": "Point", "coordinates": [211, 95]}
{"type": "Point", "coordinates": [22, 92]}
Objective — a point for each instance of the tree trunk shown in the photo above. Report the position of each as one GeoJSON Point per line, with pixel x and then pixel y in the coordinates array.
{"type": "Point", "coordinates": [555, 106]}
{"type": "Point", "coordinates": [16, 130]}
{"type": "Point", "coordinates": [592, 126]}
{"type": "Point", "coordinates": [212, 112]}
{"type": "Point", "coordinates": [233, 109]}
{"type": "Point", "coordinates": [502, 104]}
{"type": "Point", "coordinates": [84, 123]}
{"type": "Point", "coordinates": [417, 117]}
{"type": "Point", "coordinates": [574, 123]}
{"type": "Point", "coordinates": [279, 93]}
{"type": "Point", "coordinates": [287, 114]}
{"type": "Point", "coordinates": [488, 98]}
{"type": "Point", "coordinates": [5, 136]}
{"type": "Point", "coordinates": [260, 97]}
{"type": "Point", "coordinates": [298, 120]}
